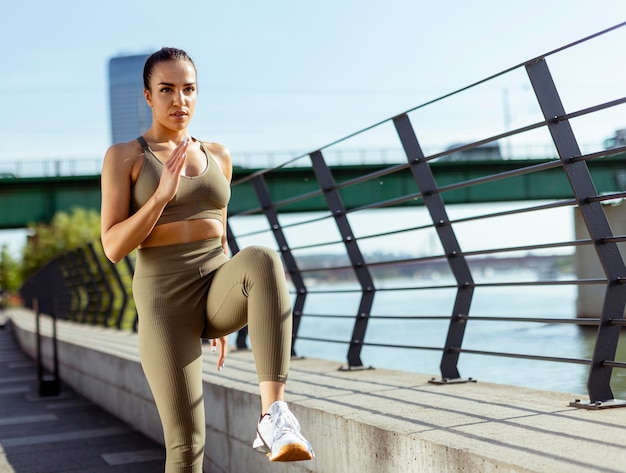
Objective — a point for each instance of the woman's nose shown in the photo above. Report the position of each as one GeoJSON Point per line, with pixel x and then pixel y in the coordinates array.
{"type": "Point", "coordinates": [179, 98]}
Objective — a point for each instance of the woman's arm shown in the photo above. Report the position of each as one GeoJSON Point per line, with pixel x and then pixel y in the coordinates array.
{"type": "Point", "coordinates": [121, 232]}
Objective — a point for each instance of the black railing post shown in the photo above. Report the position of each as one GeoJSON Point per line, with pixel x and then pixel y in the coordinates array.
{"type": "Point", "coordinates": [121, 287]}
{"type": "Point", "coordinates": [73, 281]}
{"type": "Point", "coordinates": [338, 210]}
{"type": "Point", "coordinates": [103, 287]}
{"type": "Point", "coordinates": [458, 265]}
{"type": "Point", "coordinates": [89, 285]}
{"type": "Point", "coordinates": [232, 240]}
{"type": "Point", "coordinates": [47, 387]}
{"type": "Point", "coordinates": [131, 271]}
{"type": "Point", "coordinates": [595, 219]}
{"type": "Point", "coordinates": [265, 199]}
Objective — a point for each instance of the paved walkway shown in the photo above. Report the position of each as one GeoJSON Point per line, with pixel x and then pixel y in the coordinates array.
{"type": "Point", "coordinates": [64, 433]}
{"type": "Point", "coordinates": [414, 425]}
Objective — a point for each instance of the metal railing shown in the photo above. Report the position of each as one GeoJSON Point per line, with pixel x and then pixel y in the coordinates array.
{"type": "Point", "coordinates": [359, 254]}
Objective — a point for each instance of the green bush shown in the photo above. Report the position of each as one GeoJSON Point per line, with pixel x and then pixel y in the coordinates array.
{"type": "Point", "coordinates": [66, 232]}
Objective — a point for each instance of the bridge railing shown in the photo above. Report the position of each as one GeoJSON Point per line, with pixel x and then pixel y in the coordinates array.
{"type": "Point", "coordinates": [255, 160]}
{"type": "Point", "coordinates": [349, 232]}
{"type": "Point", "coordinates": [350, 266]}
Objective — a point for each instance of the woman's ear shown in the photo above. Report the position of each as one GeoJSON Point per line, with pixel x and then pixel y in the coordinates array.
{"type": "Point", "coordinates": [148, 96]}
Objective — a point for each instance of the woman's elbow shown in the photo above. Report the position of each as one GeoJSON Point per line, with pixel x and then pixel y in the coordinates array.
{"type": "Point", "coordinates": [111, 251]}
{"type": "Point", "coordinates": [113, 257]}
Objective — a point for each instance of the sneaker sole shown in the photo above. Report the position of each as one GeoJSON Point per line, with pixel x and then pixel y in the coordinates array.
{"type": "Point", "coordinates": [292, 453]}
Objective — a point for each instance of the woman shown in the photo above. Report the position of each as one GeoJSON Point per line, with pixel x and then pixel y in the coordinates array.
{"type": "Point", "coordinates": [166, 195]}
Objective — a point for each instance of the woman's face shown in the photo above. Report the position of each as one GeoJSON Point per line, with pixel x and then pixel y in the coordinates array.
{"type": "Point", "coordinates": [172, 94]}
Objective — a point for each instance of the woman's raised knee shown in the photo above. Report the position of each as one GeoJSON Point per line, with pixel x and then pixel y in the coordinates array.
{"type": "Point", "coordinates": [262, 258]}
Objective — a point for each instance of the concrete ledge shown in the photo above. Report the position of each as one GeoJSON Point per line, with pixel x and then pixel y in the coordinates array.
{"type": "Point", "coordinates": [362, 421]}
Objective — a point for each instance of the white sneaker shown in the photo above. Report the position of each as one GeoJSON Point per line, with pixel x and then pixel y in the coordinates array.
{"type": "Point", "coordinates": [278, 436]}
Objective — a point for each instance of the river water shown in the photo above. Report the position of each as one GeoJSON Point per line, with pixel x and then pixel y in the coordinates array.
{"type": "Point", "coordinates": [546, 339]}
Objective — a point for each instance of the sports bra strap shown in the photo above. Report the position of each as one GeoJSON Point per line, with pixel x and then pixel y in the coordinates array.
{"type": "Point", "coordinates": [143, 142]}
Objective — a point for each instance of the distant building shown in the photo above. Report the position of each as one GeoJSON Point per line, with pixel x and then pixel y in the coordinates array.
{"type": "Point", "coordinates": [130, 114]}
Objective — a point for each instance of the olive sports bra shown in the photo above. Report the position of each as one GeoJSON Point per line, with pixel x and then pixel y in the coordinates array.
{"type": "Point", "coordinates": [202, 196]}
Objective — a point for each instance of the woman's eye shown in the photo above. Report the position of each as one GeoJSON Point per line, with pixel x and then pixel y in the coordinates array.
{"type": "Point", "coordinates": [165, 89]}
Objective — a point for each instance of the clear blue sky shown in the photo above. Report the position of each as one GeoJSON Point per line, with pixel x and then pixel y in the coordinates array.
{"type": "Point", "coordinates": [273, 74]}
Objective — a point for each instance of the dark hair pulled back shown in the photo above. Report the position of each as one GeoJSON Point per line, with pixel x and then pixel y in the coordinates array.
{"type": "Point", "coordinates": [163, 55]}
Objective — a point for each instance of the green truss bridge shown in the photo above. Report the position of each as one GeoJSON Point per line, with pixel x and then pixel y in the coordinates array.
{"type": "Point", "coordinates": [25, 200]}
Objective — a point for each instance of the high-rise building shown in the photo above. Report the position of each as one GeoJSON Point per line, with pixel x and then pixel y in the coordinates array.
{"type": "Point", "coordinates": [130, 114]}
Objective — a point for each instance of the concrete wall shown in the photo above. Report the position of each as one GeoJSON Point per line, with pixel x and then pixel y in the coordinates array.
{"type": "Point", "coordinates": [591, 296]}
{"type": "Point", "coordinates": [369, 421]}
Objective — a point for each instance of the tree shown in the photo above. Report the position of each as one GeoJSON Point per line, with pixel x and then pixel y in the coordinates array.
{"type": "Point", "coordinates": [66, 232]}
{"type": "Point", "coordinates": [10, 277]}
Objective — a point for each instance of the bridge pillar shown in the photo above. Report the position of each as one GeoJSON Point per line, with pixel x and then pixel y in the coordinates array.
{"type": "Point", "coordinates": [591, 296]}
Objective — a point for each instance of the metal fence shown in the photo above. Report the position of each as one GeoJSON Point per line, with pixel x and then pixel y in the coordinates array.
{"type": "Point", "coordinates": [342, 262]}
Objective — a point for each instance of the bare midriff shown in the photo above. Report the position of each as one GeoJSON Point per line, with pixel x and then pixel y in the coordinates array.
{"type": "Point", "coordinates": [184, 231]}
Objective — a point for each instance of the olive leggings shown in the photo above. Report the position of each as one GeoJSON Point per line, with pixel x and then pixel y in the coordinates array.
{"type": "Point", "coordinates": [189, 291]}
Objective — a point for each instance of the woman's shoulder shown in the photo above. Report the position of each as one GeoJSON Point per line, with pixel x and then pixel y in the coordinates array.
{"type": "Point", "coordinates": [128, 152]}
{"type": "Point", "coordinates": [128, 148]}
{"type": "Point", "coordinates": [123, 157]}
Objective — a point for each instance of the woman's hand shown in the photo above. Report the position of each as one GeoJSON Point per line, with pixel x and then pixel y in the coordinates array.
{"type": "Point", "coordinates": [168, 185]}
{"type": "Point", "coordinates": [223, 346]}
